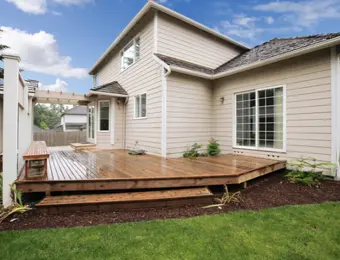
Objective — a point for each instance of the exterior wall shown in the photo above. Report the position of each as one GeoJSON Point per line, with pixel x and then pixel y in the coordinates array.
{"type": "Point", "coordinates": [74, 119]}
{"type": "Point", "coordinates": [180, 40]}
{"type": "Point", "coordinates": [189, 112]}
{"type": "Point", "coordinates": [1, 123]}
{"type": "Point", "coordinates": [308, 104]}
{"type": "Point", "coordinates": [143, 76]}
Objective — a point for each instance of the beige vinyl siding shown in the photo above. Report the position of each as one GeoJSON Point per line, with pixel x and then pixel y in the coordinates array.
{"type": "Point", "coordinates": [1, 123]}
{"type": "Point", "coordinates": [143, 76]}
{"type": "Point", "coordinates": [180, 40]}
{"type": "Point", "coordinates": [308, 104]}
{"type": "Point", "coordinates": [188, 112]}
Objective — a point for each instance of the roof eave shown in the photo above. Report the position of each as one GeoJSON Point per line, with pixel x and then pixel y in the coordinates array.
{"type": "Point", "coordinates": [143, 11]}
{"type": "Point", "coordinates": [281, 57]}
{"type": "Point", "coordinates": [191, 72]}
{"type": "Point", "coordinates": [91, 93]}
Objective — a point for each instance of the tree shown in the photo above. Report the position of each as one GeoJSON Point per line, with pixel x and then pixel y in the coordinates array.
{"type": "Point", "coordinates": [43, 125]}
{"type": "Point", "coordinates": [2, 47]}
{"type": "Point", "coordinates": [48, 115]}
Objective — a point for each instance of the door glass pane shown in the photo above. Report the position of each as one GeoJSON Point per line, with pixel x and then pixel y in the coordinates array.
{"type": "Point", "coordinates": [270, 118]}
{"type": "Point", "coordinates": [104, 116]}
{"type": "Point", "coordinates": [143, 105]}
{"type": "Point", "coordinates": [137, 106]}
{"type": "Point", "coordinates": [245, 119]}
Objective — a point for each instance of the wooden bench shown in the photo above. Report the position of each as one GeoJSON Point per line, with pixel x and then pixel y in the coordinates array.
{"type": "Point", "coordinates": [36, 154]}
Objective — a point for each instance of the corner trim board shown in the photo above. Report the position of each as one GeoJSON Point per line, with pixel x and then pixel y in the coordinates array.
{"type": "Point", "coordinates": [335, 147]}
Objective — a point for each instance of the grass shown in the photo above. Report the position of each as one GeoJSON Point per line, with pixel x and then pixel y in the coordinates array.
{"type": "Point", "coordinates": [291, 232]}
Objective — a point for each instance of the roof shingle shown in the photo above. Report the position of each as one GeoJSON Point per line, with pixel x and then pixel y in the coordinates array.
{"type": "Point", "coordinates": [274, 48]}
{"type": "Point", "coordinates": [112, 87]}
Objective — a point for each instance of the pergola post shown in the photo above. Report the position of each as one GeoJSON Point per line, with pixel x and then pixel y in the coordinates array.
{"type": "Point", "coordinates": [10, 124]}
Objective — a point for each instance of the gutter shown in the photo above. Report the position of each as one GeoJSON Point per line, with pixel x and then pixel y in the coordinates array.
{"type": "Point", "coordinates": [91, 92]}
{"type": "Point", "coordinates": [163, 64]}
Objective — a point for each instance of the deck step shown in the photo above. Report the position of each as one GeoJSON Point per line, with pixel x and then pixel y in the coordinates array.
{"type": "Point", "coordinates": [127, 200]}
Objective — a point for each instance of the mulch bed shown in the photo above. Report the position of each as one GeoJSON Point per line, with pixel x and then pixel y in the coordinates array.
{"type": "Point", "coordinates": [266, 192]}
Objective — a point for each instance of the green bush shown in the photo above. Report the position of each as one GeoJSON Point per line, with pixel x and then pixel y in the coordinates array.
{"type": "Point", "coordinates": [213, 148]}
{"type": "Point", "coordinates": [0, 188]}
{"type": "Point", "coordinates": [308, 171]}
{"type": "Point", "coordinates": [193, 151]}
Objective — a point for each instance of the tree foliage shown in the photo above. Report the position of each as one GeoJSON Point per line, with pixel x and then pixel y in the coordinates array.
{"type": "Point", "coordinates": [2, 47]}
{"type": "Point", "coordinates": [48, 117]}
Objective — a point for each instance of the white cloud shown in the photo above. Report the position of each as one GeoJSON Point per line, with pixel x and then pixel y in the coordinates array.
{"type": "Point", "coordinates": [39, 53]}
{"type": "Point", "coordinates": [249, 27]}
{"type": "Point", "coordinates": [59, 85]}
{"type": "Point", "coordinates": [39, 7]}
{"type": "Point", "coordinates": [270, 20]}
{"type": "Point", "coordinates": [30, 6]}
{"type": "Point", "coordinates": [241, 26]}
{"type": "Point", "coordinates": [304, 13]}
{"type": "Point", "coordinates": [73, 2]}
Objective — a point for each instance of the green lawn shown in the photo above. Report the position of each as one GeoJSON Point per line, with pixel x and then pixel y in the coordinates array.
{"type": "Point", "coordinates": [292, 232]}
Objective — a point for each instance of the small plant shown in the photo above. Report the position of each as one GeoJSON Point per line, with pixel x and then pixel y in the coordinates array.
{"type": "Point", "coordinates": [308, 171]}
{"type": "Point", "coordinates": [227, 198]}
{"type": "Point", "coordinates": [1, 188]}
{"type": "Point", "coordinates": [193, 151]}
{"type": "Point", "coordinates": [18, 207]}
{"type": "Point", "coordinates": [213, 147]}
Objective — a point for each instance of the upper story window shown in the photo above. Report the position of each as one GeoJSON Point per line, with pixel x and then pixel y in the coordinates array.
{"type": "Point", "coordinates": [260, 119]}
{"type": "Point", "coordinates": [104, 115]}
{"type": "Point", "coordinates": [130, 54]}
{"type": "Point", "coordinates": [140, 106]}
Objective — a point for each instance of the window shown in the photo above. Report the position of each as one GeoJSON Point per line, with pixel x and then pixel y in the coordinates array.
{"type": "Point", "coordinates": [130, 54]}
{"type": "Point", "coordinates": [104, 115]}
{"type": "Point", "coordinates": [260, 119]}
{"type": "Point", "coordinates": [140, 106]}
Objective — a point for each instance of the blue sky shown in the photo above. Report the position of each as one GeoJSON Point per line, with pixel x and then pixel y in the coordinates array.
{"type": "Point", "coordinates": [59, 40]}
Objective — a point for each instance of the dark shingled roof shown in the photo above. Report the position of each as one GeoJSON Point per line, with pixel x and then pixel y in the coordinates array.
{"type": "Point", "coordinates": [261, 52]}
{"type": "Point", "coordinates": [273, 48]}
{"type": "Point", "coordinates": [185, 65]}
{"type": "Point", "coordinates": [112, 87]}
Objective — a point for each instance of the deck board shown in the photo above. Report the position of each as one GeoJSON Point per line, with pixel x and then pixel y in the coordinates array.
{"type": "Point", "coordinates": [113, 169]}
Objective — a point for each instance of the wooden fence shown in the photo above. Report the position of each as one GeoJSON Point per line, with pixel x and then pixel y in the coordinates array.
{"type": "Point", "coordinates": [60, 138]}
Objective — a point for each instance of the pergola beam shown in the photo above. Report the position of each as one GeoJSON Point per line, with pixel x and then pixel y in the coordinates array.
{"type": "Point", "coordinates": [56, 97]}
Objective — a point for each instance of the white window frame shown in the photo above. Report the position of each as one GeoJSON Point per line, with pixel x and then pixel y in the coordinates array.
{"type": "Point", "coordinates": [134, 58]}
{"type": "Point", "coordinates": [256, 147]}
{"type": "Point", "coordinates": [99, 102]}
{"type": "Point", "coordinates": [140, 103]}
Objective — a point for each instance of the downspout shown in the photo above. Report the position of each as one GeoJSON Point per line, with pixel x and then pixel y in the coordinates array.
{"type": "Point", "coordinates": [165, 73]}
{"type": "Point", "coordinates": [124, 124]}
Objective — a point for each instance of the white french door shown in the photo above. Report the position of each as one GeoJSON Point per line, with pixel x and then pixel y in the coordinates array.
{"type": "Point", "coordinates": [91, 124]}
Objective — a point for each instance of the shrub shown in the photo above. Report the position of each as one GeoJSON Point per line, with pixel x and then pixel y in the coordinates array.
{"type": "Point", "coordinates": [0, 188]}
{"type": "Point", "coordinates": [308, 171]}
{"type": "Point", "coordinates": [227, 198]}
{"type": "Point", "coordinates": [193, 151]}
{"type": "Point", "coordinates": [213, 148]}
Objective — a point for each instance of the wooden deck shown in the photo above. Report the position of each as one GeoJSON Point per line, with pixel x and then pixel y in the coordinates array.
{"type": "Point", "coordinates": [116, 170]}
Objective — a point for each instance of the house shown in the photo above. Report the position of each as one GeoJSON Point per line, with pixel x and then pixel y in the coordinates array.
{"type": "Point", "coordinates": [37, 129]}
{"type": "Point", "coordinates": [167, 82]}
{"type": "Point", "coordinates": [74, 119]}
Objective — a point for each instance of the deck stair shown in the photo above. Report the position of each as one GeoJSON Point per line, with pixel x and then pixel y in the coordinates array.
{"type": "Point", "coordinates": [127, 200]}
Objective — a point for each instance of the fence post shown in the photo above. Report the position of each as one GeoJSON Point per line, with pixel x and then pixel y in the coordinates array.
{"type": "Point", "coordinates": [10, 123]}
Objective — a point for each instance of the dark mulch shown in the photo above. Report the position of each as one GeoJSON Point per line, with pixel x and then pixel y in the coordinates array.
{"type": "Point", "coordinates": [269, 191]}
